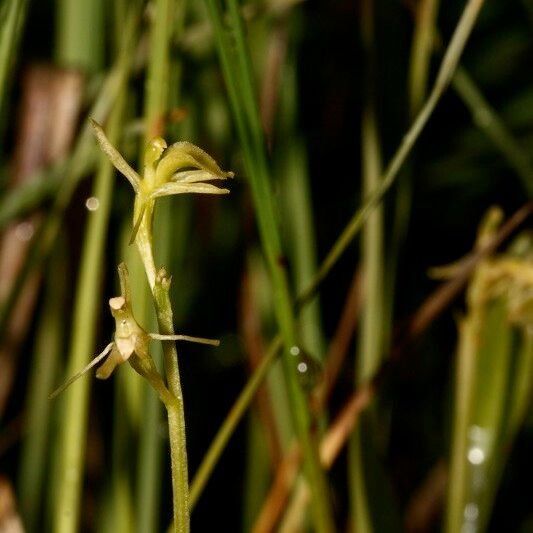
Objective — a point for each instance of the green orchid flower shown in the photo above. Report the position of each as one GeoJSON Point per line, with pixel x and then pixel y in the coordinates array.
{"type": "Point", "coordinates": [168, 170]}
{"type": "Point", "coordinates": [130, 343]}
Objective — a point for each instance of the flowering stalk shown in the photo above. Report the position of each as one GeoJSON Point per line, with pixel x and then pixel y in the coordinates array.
{"type": "Point", "coordinates": [180, 168]}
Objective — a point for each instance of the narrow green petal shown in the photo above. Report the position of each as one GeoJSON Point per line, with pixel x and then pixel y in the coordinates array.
{"type": "Point", "coordinates": [171, 188]}
{"type": "Point", "coordinates": [74, 378]}
{"type": "Point", "coordinates": [115, 157]}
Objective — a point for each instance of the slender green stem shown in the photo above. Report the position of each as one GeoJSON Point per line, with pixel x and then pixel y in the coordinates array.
{"type": "Point", "coordinates": [176, 416]}
{"type": "Point", "coordinates": [372, 331]}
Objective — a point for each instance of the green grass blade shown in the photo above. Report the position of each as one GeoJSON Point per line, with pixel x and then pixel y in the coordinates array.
{"type": "Point", "coordinates": [372, 333]}
{"type": "Point", "coordinates": [292, 167]}
{"type": "Point", "coordinates": [421, 51]}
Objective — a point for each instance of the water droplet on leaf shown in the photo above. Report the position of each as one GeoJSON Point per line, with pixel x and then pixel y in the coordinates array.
{"type": "Point", "coordinates": [92, 203]}
{"type": "Point", "coordinates": [309, 370]}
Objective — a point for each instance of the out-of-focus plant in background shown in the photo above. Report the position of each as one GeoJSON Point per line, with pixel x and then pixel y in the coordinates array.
{"type": "Point", "coordinates": [370, 142]}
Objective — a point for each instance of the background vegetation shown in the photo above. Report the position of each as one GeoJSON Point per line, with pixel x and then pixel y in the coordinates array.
{"type": "Point", "coordinates": [307, 102]}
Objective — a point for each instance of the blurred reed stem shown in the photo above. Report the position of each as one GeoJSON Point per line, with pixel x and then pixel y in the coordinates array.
{"type": "Point", "coordinates": [465, 393]}
{"type": "Point", "coordinates": [521, 394]}
{"type": "Point", "coordinates": [43, 371]}
{"type": "Point", "coordinates": [279, 107]}
{"type": "Point", "coordinates": [80, 34]}
{"type": "Point", "coordinates": [372, 332]}
{"type": "Point", "coordinates": [235, 62]}
{"type": "Point", "coordinates": [298, 207]}
{"type": "Point", "coordinates": [425, 16]}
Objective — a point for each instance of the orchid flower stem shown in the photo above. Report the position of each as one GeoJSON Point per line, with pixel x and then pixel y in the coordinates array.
{"type": "Point", "coordinates": [167, 171]}
{"type": "Point", "coordinates": [176, 416]}
{"type": "Point", "coordinates": [160, 284]}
